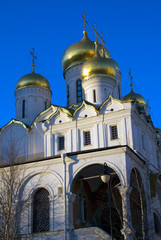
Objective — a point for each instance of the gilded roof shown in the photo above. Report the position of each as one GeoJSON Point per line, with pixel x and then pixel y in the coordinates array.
{"type": "Point", "coordinates": [98, 65]}
{"type": "Point", "coordinates": [80, 52]}
{"type": "Point", "coordinates": [132, 96]}
{"type": "Point", "coordinates": [33, 79]}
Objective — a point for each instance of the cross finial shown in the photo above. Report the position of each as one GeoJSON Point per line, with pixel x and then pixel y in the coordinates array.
{"type": "Point", "coordinates": [33, 60]}
{"type": "Point", "coordinates": [85, 22]}
{"type": "Point", "coordinates": [131, 78]}
{"type": "Point", "coordinates": [95, 30]}
{"type": "Point", "coordinates": [102, 42]}
{"type": "Point", "coordinates": [101, 38]}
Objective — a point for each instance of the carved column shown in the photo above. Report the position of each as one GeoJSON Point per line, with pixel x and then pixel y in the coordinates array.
{"type": "Point", "coordinates": [127, 230]}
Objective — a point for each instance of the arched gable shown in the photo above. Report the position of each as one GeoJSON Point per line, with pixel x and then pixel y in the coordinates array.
{"type": "Point", "coordinates": [13, 142]}
{"type": "Point", "coordinates": [85, 110]}
{"type": "Point", "coordinates": [62, 115]}
{"type": "Point", "coordinates": [110, 105]}
{"type": "Point", "coordinates": [43, 116]}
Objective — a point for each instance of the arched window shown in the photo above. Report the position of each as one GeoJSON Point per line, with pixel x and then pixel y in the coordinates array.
{"type": "Point", "coordinates": [41, 211]}
{"type": "Point", "coordinates": [23, 108]}
{"type": "Point", "coordinates": [79, 90]}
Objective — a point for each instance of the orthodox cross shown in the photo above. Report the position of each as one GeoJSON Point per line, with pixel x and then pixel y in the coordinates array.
{"type": "Point", "coordinates": [85, 22]}
{"type": "Point", "coordinates": [101, 38]}
{"type": "Point", "coordinates": [95, 30]}
{"type": "Point", "coordinates": [33, 60]}
{"type": "Point", "coordinates": [131, 78]}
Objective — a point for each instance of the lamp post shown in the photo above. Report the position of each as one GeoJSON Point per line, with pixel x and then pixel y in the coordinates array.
{"type": "Point", "coordinates": [105, 177]}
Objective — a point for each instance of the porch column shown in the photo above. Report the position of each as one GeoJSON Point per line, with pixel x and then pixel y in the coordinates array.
{"type": "Point", "coordinates": [70, 199]}
{"type": "Point", "coordinates": [127, 230]}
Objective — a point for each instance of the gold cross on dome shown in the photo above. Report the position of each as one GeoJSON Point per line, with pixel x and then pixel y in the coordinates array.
{"type": "Point", "coordinates": [85, 22]}
{"type": "Point", "coordinates": [95, 30]}
{"type": "Point", "coordinates": [131, 77]}
{"type": "Point", "coordinates": [101, 38]}
{"type": "Point", "coordinates": [33, 60]}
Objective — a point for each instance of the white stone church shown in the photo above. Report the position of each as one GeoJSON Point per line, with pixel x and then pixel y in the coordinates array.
{"type": "Point", "coordinates": [60, 154]}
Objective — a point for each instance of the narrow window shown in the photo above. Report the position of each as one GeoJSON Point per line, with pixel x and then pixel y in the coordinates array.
{"type": "Point", "coordinates": [23, 108]}
{"type": "Point", "coordinates": [143, 143]}
{"type": "Point", "coordinates": [119, 92]}
{"type": "Point", "coordinates": [105, 91]}
{"type": "Point", "coordinates": [67, 95]}
{"type": "Point", "coordinates": [41, 211]}
{"type": "Point", "coordinates": [114, 133]}
{"type": "Point", "coordinates": [46, 104]}
{"type": "Point", "coordinates": [87, 138]}
{"type": "Point", "coordinates": [79, 90]}
{"type": "Point", "coordinates": [94, 95]}
{"type": "Point", "coordinates": [61, 143]}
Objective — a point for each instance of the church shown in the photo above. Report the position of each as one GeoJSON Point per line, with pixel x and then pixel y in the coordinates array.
{"type": "Point", "coordinates": [88, 170]}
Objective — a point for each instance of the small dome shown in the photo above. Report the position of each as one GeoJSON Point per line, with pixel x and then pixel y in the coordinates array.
{"type": "Point", "coordinates": [33, 79]}
{"type": "Point", "coordinates": [98, 65]}
{"type": "Point", "coordinates": [132, 96]}
{"type": "Point", "coordinates": [81, 51]}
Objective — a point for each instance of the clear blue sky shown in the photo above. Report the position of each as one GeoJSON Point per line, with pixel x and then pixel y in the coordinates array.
{"type": "Point", "coordinates": [132, 32]}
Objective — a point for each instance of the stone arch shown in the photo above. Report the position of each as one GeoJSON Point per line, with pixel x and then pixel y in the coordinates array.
{"type": "Point", "coordinates": [101, 162]}
{"type": "Point", "coordinates": [138, 205]}
{"type": "Point", "coordinates": [91, 205]}
{"type": "Point", "coordinates": [49, 185]}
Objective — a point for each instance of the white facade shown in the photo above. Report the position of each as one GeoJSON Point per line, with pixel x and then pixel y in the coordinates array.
{"type": "Point", "coordinates": [63, 152]}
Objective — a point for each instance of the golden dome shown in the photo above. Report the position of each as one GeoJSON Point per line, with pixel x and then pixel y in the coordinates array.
{"type": "Point", "coordinates": [80, 51]}
{"type": "Point", "coordinates": [33, 79]}
{"type": "Point", "coordinates": [98, 65]}
{"type": "Point", "coordinates": [115, 64]}
{"type": "Point", "coordinates": [132, 96]}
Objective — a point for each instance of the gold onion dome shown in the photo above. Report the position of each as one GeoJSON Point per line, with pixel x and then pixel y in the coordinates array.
{"type": "Point", "coordinates": [115, 63]}
{"type": "Point", "coordinates": [80, 52]}
{"type": "Point", "coordinates": [98, 65]}
{"type": "Point", "coordinates": [33, 79]}
{"type": "Point", "coordinates": [132, 96]}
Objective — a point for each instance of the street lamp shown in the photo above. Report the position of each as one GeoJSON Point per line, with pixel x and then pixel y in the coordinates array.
{"type": "Point", "coordinates": [105, 177]}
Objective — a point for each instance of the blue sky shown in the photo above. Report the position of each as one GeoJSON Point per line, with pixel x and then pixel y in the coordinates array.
{"type": "Point", "coordinates": [131, 29]}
